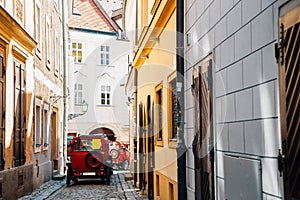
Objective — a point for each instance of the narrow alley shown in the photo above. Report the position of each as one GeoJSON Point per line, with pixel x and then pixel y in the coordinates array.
{"type": "Point", "coordinates": [121, 187]}
{"type": "Point", "coordinates": [150, 99]}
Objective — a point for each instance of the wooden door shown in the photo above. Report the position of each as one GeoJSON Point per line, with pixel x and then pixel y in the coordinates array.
{"type": "Point", "coordinates": [203, 141]}
{"type": "Point", "coordinates": [54, 139]}
{"type": "Point", "coordinates": [289, 74]}
{"type": "Point", "coordinates": [2, 110]}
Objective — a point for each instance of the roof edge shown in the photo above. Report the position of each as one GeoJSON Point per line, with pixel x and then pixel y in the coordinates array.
{"type": "Point", "coordinates": [92, 31]}
{"type": "Point", "coordinates": [112, 22]}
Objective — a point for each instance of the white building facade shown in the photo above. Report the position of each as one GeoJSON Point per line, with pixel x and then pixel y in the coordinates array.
{"type": "Point", "coordinates": [98, 77]}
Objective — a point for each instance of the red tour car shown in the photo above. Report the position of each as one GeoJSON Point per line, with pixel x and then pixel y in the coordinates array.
{"type": "Point", "coordinates": [89, 157]}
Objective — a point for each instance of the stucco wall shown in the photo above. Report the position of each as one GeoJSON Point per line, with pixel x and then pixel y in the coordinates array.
{"type": "Point", "coordinates": [10, 179]}
{"type": "Point", "coordinates": [92, 75]}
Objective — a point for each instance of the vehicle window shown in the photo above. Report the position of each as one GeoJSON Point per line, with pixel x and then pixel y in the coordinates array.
{"type": "Point", "coordinates": [88, 145]}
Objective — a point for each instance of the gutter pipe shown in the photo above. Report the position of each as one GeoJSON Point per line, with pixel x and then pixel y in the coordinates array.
{"type": "Point", "coordinates": [181, 147]}
{"type": "Point", "coordinates": [65, 89]}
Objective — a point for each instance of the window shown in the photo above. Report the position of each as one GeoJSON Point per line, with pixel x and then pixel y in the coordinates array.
{"type": "Point", "coordinates": [105, 95]}
{"type": "Point", "coordinates": [157, 186]}
{"type": "Point", "coordinates": [172, 110]}
{"type": "Point", "coordinates": [171, 191]}
{"type": "Point", "coordinates": [104, 55]}
{"type": "Point", "coordinates": [78, 97]}
{"type": "Point", "coordinates": [2, 110]}
{"type": "Point", "coordinates": [48, 43]}
{"type": "Point", "coordinates": [38, 122]}
{"type": "Point", "coordinates": [20, 114]}
{"type": "Point", "coordinates": [38, 25]}
{"type": "Point", "coordinates": [77, 52]}
{"type": "Point", "coordinates": [45, 125]}
{"type": "Point", "coordinates": [56, 53]}
{"type": "Point", "coordinates": [61, 60]}
{"type": "Point", "coordinates": [19, 10]}
{"type": "Point", "coordinates": [159, 114]}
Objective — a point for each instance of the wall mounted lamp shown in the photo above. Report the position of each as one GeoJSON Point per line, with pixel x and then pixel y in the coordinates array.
{"type": "Point", "coordinates": [84, 107]}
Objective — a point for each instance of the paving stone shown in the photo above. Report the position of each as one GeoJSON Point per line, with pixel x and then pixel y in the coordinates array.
{"type": "Point", "coordinates": [92, 190]}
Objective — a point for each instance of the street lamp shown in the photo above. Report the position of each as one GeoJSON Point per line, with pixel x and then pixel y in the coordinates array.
{"type": "Point", "coordinates": [84, 107]}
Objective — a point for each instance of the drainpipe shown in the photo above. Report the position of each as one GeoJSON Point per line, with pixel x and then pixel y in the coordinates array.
{"type": "Point", "coordinates": [65, 89]}
{"type": "Point", "coordinates": [181, 147]}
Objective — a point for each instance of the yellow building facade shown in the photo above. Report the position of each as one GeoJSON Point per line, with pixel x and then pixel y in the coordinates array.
{"type": "Point", "coordinates": [153, 33]}
{"type": "Point", "coordinates": [31, 75]}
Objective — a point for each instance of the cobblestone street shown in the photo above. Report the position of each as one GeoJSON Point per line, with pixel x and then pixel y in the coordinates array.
{"type": "Point", "coordinates": [120, 188]}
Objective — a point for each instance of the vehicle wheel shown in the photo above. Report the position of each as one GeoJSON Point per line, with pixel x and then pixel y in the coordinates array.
{"type": "Point", "coordinates": [108, 180]}
{"type": "Point", "coordinates": [93, 160]}
{"type": "Point", "coordinates": [125, 164]}
{"type": "Point", "coordinates": [108, 172]}
{"type": "Point", "coordinates": [69, 174]}
{"type": "Point", "coordinates": [68, 181]}
{"type": "Point", "coordinates": [114, 153]}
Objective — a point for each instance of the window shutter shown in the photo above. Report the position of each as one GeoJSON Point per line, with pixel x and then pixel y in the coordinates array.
{"type": "Point", "coordinates": [2, 110]}
{"type": "Point", "coordinates": [20, 115]}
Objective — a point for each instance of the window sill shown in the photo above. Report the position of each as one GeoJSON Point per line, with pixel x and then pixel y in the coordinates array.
{"type": "Point", "coordinates": [159, 142]}
{"type": "Point", "coordinates": [104, 105]}
{"type": "Point", "coordinates": [103, 65]}
{"type": "Point", "coordinates": [79, 63]}
{"type": "Point", "coordinates": [172, 143]}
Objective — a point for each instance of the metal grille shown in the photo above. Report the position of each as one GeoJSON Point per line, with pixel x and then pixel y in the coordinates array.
{"type": "Point", "coordinates": [174, 110]}
{"type": "Point", "coordinates": [292, 108]}
{"type": "Point", "coordinates": [160, 120]}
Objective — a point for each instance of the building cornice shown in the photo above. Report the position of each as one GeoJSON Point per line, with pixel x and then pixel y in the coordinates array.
{"type": "Point", "coordinates": [156, 26]}
{"type": "Point", "coordinates": [10, 28]}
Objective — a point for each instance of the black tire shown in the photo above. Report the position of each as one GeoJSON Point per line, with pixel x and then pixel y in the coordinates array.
{"type": "Point", "coordinates": [108, 174]}
{"type": "Point", "coordinates": [68, 181]}
{"type": "Point", "coordinates": [69, 174]}
{"type": "Point", "coordinates": [93, 160]}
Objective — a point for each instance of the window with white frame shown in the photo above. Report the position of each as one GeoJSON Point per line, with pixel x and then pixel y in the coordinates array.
{"type": "Point", "coordinates": [45, 126]}
{"type": "Point", "coordinates": [105, 95]}
{"type": "Point", "coordinates": [48, 42]}
{"type": "Point", "coordinates": [38, 122]}
{"type": "Point", "coordinates": [78, 94]}
{"type": "Point", "coordinates": [38, 25]}
{"type": "Point", "coordinates": [60, 59]}
{"type": "Point", "coordinates": [77, 51]}
{"type": "Point", "coordinates": [104, 55]}
{"type": "Point", "coordinates": [56, 53]}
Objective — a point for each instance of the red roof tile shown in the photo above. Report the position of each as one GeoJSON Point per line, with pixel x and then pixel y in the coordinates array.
{"type": "Point", "coordinates": [89, 16]}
